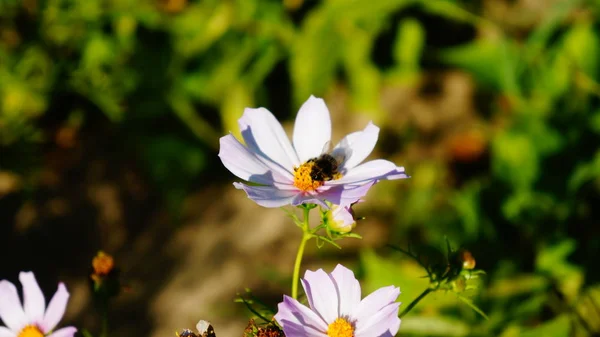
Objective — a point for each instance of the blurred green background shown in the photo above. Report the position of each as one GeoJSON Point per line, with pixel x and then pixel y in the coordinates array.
{"type": "Point", "coordinates": [110, 114]}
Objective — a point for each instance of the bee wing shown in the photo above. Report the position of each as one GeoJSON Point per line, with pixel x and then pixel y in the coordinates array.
{"type": "Point", "coordinates": [205, 329]}
{"type": "Point", "coordinates": [342, 152]}
{"type": "Point", "coordinates": [326, 147]}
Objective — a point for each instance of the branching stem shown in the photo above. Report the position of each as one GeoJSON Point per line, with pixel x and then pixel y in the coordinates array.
{"type": "Point", "coordinates": [415, 302]}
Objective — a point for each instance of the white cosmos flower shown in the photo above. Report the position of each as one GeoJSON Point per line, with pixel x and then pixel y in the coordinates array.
{"type": "Point", "coordinates": [336, 308]}
{"type": "Point", "coordinates": [32, 319]}
{"type": "Point", "coordinates": [284, 172]}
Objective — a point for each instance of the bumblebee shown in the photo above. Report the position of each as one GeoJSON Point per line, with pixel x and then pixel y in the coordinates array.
{"type": "Point", "coordinates": [204, 328]}
{"type": "Point", "coordinates": [326, 166]}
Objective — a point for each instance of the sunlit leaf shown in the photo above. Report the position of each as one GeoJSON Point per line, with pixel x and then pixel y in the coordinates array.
{"type": "Point", "coordinates": [558, 327]}
{"type": "Point", "coordinates": [434, 326]}
{"type": "Point", "coordinates": [553, 260]}
{"type": "Point", "coordinates": [493, 62]}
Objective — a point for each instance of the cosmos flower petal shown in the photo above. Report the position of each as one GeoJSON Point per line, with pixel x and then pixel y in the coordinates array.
{"type": "Point", "coordinates": [359, 145]}
{"type": "Point", "coordinates": [322, 294]}
{"type": "Point", "coordinates": [312, 129]}
{"type": "Point", "coordinates": [56, 309]}
{"type": "Point", "coordinates": [268, 196]}
{"type": "Point", "coordinates": [64, 332]}
{"type": "Point", "coordinates": [34, 302]}
{"type": "Point", "coordinates": [384, 322]}
{"type": "Point", "coordinates": [306, 198]}
{"type": "Point", "coordinates": [375, 302]}
{"type": "Point", "coordinates": [378, 169]}
{"type": "Point", "coordinates": [265, 135]}
{"type": "Point", "coordinates": [346, 194]}
{"type": "Point", "coordinates": [291, 311]}
{"type": "Point", "coordinates": [4, 332]}
{"type": "Point", "coordinates": [246, 165]}
{"type": "Point", "coordinates": [11, 311]}
{"type": "Point", "coordinates": [348, 288]}
{"type": "Point", "coordinates": [298, 330]}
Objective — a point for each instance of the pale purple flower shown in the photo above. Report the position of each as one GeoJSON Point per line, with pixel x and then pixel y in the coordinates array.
{"type": "Point", "coordinates": [32, 318]}
{"type": "Point", "coordinates": [336, 308]}
{"type": "Point", "coordinates": [286, 173]}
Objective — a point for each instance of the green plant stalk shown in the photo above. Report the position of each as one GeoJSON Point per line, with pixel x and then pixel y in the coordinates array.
{"type": "Point", "coordinates": [104, 332]}
{"type": "Point", "coordinates": [306, 235]}
{"type": "Point", "coordinates": [415, 302]}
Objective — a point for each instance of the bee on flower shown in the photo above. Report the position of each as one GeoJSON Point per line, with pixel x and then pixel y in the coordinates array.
{"type": "Point", "coordinates": [205, 329]}
{"type": "Point", "coordinates": [303, 171]}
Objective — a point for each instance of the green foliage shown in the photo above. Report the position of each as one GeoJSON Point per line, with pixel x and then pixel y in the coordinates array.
{"type": "Point", "coordinates": [557, 327]}
{"type": "Point", "coordinates": [162, 80]}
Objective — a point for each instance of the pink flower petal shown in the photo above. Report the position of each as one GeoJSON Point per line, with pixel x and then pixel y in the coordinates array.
{"type": "Point", "coordinates": [345, 194]}
{"type": "Point", "coordinates": [33, 298]}
{"type": "Point", "coordinates": [348, 289]}
{"type": "Point", "coordinates": [291, 314]}
{"type": "Point", "coordinates": [322, 294]}
{"type": "Point", "coordinates": [385, 322]}
{"type": "Point", "coordinates": [378, 169]}
{"type": "Point", "coordinates": [299, 330]}
{"type": "Point", "coordinates": [360, 144]}
{"type": "Point", "coordinates": [246, 165]}
{"type": "Point", "coordinates": [11, 311]}
{"type": "Point", "coordinates": [56, 309]}
{"type": "Point", "coordinates": [312, 129]}
{"type": "Point", "coordinates": [264, 134]}
{"type": "Point", "coordinates": [68, 331]}
{"type": "Point", "coordinates": [4, 332]}
{"type": "Point", "coordinates": [268, 196]}
{"type": "Point", "coordinates": [375, 302]}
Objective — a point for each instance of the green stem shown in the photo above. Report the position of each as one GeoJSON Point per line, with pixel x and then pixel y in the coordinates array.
{"type": "Point", "coordinates": [415, 302]}
{"type": "Point", "coordinates": [104, 332]}
{"type": "Point", "coordinates": [306, 235]}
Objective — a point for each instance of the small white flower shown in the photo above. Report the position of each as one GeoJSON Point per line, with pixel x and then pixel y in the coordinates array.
{"type": "Point", "coordinates": [33, 318]}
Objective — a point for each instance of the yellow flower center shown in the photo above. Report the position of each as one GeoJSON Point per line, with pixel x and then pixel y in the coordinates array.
{"type": "Point", "coordinates": [303, 179]}
{"type": "Point", "coordinates": [30, 331]}
{"type": "Point", "coordinates": [340, 328]}
{"type": "Point", "coordinates": [315, 172]}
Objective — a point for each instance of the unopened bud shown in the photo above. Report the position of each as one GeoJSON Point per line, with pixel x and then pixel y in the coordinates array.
{"type": "Point", "coordinates": [467, 259]}
{"type": "Point", "coordinates": [341, 219]}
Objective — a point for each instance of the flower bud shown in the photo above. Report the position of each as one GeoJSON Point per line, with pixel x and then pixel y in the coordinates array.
{"type": "Point", "coordinates": [102, 264]}
{"type": "Point", "coordinates": [104, 276]}
{"type": "Point", "coordinates": [467, 259]}
{"type": "Point", "coordinates": [341, 219]}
